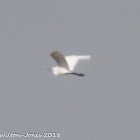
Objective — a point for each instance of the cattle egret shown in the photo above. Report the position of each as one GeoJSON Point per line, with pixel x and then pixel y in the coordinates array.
{"type": "Point", "coordinates": [66, 64]}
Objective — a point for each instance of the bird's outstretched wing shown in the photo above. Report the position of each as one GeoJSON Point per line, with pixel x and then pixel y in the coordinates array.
{"type": "Point", "coordinates": [73, 60]}
{"type": "Point", "coordinates": [60, 59]}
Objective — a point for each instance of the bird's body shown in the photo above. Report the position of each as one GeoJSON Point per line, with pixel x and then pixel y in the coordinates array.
{"type": "Point", "coordinates": [66, 64]}
{"type": "Point", "coordinates": [60, 70]}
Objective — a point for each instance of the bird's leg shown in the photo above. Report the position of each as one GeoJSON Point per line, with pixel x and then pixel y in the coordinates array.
{"type": "Point", "coordinates": [78, 74]}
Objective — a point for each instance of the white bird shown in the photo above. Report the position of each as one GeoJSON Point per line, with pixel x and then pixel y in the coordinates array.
{"type": "Point", "coordinates": [66, 64]}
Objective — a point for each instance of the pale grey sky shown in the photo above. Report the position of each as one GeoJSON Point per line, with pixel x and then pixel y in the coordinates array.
{"type": "Point", "coordinates": [104, 105]}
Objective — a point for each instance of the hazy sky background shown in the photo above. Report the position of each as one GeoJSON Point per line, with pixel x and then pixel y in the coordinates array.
{"type": "Point", "coordinates": [104, 105]}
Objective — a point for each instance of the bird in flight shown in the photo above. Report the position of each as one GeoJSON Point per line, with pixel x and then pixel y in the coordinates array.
{"type": "Point", "coordinates": [66, 64]}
